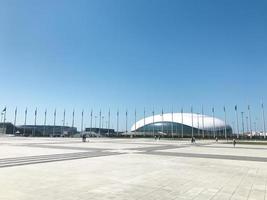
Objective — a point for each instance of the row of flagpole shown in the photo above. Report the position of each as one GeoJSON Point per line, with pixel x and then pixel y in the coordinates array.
{"type": "Point", "coordinates": [101, 119]}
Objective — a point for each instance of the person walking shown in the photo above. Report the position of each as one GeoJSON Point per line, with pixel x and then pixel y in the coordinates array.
{"type": "Point", "coordinates": [234, 142]}
{"type": "Point", "coordinates": [84, 137]}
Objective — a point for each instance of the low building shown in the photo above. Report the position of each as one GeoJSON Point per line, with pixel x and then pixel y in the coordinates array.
{"type": "Point", "coordinates": [100, 132]}
{"type": "Point", "coordinates": [37, 130]}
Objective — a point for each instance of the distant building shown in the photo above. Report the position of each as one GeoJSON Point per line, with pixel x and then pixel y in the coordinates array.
{"type": "Point", "coordinates": [182, 125]}
{"type": "Point", "coordinates": [7, 128]}
{"type": "Point", "coordinates": [38, 130]}
{"type": "Point", "coordinates": [100, 132]}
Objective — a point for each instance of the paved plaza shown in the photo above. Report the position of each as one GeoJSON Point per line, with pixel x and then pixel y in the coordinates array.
{"type": "Point", "coordinates": [67, 169]}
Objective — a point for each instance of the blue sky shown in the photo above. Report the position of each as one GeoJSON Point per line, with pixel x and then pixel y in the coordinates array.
{"type": "Point", "coordinates": [122, 54]}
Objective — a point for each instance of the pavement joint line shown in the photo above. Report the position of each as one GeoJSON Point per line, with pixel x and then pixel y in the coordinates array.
{"type": "Point", "coordinates": [211, 156]}
{"type": "Point", "coordinates": [66, 147]}
{"type": "Point", "coordinates": [39, 161]}
{"type": "Point", "coordinates": [41, 156]}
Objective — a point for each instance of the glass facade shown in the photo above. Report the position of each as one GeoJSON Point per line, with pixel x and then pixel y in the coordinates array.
{"type": "Point", "coordinates": [181, 130]}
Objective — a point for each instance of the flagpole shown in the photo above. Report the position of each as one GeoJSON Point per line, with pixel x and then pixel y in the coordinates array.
{"type": "Point", "coordinates": [99, 122]}
{"type": "Point", "coordinates": [108, 121]}
{"type": "Point", "coordinates": [25, 121]}
{"type": "Point", "coordinates": [64, 117]}
{"type": "Point", "coordinates": [172, 123]}
{"type": "Point", "coordinates": [203, 132]}
{"type": "Point", "coordinates": [250, 125]}
{"type": "Point", "coordinates": [82, 123]}
{"type": "Point", "coordinates": [237, 123]}
{"type": "Point", "coordinates": [15, 120]}
{"type": "Point", "coordinates": [35, 116]}
{"type": "Point", "coordinates": [243, 128]}
{"type": "Point", "coordinates": [4, 121]}
{"type": "Point", "coordinates": [72, 124]}
{"type": "Point", "coordinates": [45, 123]}
{"type": "Point", "coordinates": [182, 113]}
{"type": "Point", "coordinates": [126, 121]}
{"type": "Point", "coordinates": [247, 124]}
{"type": "Point", "coordinates": [192, 118]}
{"type": "Point", "coordinates": [213, 122]}
{"type": "Point", "coordinates": [198, 125]}
{"type": "Point", "coordinates": [225, 132]}
{"type": "Point", "coordinates": [162, 118]}
{"type": "Point", "coordinates": [144, 130]}
{"type": "Point", "coordinates": [91, 121]}
{"type": "Point", "coordinates": [117, 123]}
{"type": "Point", "coordinates": [153, 123]}
{"type": "Point", "coordinates": [55, 115]}
{"type": "Point", "coordinates": [135, 121]}
{"type": "Point", "coordinates": [263, 118]}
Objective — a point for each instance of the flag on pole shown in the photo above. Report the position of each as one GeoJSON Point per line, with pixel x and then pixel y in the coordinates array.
{"type": "Point", "coordinates": [4, 110]}
{"type": "Point", "coordinates": [224, 108]}
{"type": "Point", "coordinates": [235, 107]}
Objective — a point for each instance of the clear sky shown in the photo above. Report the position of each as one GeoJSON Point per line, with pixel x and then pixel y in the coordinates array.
{"type": "Point", "coordinates": [122, 54]}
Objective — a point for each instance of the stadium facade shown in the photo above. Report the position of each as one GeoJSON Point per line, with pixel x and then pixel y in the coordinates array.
{"type": "Point", "coordinates": [182, 125]}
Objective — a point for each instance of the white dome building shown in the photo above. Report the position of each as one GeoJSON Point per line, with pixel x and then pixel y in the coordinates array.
{"type": "Point", "coordinates": [182, 125]}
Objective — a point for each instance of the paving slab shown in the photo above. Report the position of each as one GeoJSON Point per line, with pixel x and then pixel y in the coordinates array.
{"type": "Point", "coordinates": [127, 169]}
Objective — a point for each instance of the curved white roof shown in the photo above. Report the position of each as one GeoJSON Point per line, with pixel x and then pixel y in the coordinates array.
{"type": "Point", "coordinates": [199, 121]}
